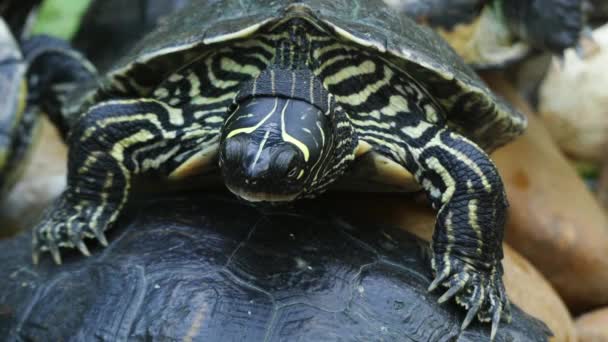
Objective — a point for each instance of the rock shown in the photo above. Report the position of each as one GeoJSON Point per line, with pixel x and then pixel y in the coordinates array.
{"type": "Point", "coordinates": [573, 101]}
{"type": "Point", "coordinates": [525, 285]}
{"type": "Point", "coordinates": [554, 220]}
{"type": "Point", "coordinates": [593, 326]}
{"type": "Point", "coordinates": [42, 180]}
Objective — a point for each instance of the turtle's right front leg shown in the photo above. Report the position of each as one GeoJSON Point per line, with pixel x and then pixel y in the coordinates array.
{"type": "Point", "coordinates": [110, 145]}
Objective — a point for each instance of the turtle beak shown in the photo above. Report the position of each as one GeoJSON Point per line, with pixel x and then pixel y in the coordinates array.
{"type": "Point", "coordinates": [257, 170]}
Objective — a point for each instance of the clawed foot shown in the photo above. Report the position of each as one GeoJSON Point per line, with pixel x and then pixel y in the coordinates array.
{"type": "Point", "coordinates": [482, 294]}
{"type": "Point", "coordinates": [66, 223]}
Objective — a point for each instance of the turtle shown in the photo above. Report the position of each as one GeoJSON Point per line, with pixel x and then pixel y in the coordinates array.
{"type": "Point", "coordinates": [184, 267]}
{"type": "Point", "coordinates": [18, 126]}
{"type": "Point", "coordinates": [495, 33]}
{"type": "Point", "coordinates": [281, 99]}
{"type": "Point", "coordinates": [19, 122]}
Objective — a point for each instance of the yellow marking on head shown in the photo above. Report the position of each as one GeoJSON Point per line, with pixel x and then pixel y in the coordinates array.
{"type": "Point", "coordinates": [300, 174]}
{"type": "Point", "coordinates": [322, 133]}
{"type": "Point", "coordinates": [286, 137]}
{"type": "Point", "coordinates": [260, 148]}
{"type": "Point", "coordinates": [248, 130]}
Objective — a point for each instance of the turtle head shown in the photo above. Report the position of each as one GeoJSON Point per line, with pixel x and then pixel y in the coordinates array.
{"type": "Point", "coordinates": [284, 138]}
{"type": "Point", "coordinates": [271, 146]}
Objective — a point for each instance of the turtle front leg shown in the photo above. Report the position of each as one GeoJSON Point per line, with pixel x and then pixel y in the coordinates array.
{"type": "Point", "coordinates": [113, 143]}
{"type": "Point", "coordinates": [464, 185]}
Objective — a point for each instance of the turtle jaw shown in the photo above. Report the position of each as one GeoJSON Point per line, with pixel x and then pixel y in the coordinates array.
{"type": "Point", "coordinates": [259, 197]}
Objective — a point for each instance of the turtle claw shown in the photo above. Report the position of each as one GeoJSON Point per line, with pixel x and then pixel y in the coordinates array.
{"type": "Point", "coordinates": [495, 321]}
{"type": "Point", "coordinates": [65, 224]}
{"type": "Point", "coordinates": [437, 281]}
{"type": "Point", "coordinates": [477, 300]}
{"type": "Point", "coordinates": [101, 237]}
{"type": "Point", "coordinates": [82, 247]}
{"type": "Point", "coordinates": [481, 293]}
{"type": "Point", "coordinates": [55, 253]}
{"type": "Point", "coordinates": [35, 256]}
{"type": "Point", "coordinates": [456, 285]}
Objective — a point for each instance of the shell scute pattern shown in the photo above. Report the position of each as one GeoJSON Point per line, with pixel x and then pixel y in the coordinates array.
{"type": "Point", "coordinates": [189, 274]}
{"type": "Point", "coordinates": [480, 114]}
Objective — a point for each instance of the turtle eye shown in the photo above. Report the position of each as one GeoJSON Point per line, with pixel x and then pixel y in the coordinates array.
{"type": "Point", "coordinates": [293, 172]}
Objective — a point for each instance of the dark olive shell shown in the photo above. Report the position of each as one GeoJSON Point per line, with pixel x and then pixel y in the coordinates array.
{"type": "Point", "coordinates": [213, 269]}
{"type": "Point", "coordinates": [470, 105]}
{"type": "Point", "coordinates": [17, 125]}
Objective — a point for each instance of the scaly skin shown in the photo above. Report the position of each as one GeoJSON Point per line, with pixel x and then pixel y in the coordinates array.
{"type": "Point", "coordinates": [119, 140]}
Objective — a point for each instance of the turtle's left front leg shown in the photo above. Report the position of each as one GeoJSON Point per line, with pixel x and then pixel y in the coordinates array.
{"type": "Point", "coordinates": [464, 185]}
{"type": "Point", "coordinates": [113, 143]}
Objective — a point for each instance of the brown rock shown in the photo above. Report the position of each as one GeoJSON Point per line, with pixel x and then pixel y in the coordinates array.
{"type": "Point", "coordinates": [554, 221]}
{"type": "Point", "coordinates": [593, 326]}
{"type": "Point", "coordinates": [43, 179]}
{"type": "Point", "coordinates": [525, 285]}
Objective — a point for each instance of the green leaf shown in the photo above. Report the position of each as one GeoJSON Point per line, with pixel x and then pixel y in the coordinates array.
{"type": "Point", "coordinates": [60, 18]}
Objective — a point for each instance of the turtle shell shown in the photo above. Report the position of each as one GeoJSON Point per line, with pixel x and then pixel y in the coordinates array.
{"type": "Point", "coordinates": [124, 21]}
{"type": "Point", "coordinates": [189, 269]}
{"type": "Point", "coordinates": [469, 105]}
{"type": "Point", "coordinates": [16, 128]}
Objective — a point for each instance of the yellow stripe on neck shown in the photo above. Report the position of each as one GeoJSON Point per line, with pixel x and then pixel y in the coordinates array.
{"type": "Point", "coordinates": [248, 130]}
{"type": "Point", "coordinates": [288, 138]}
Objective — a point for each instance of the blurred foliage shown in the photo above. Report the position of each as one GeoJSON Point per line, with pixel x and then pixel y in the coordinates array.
{"type": "Point", "coordinates": [60, 17]}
